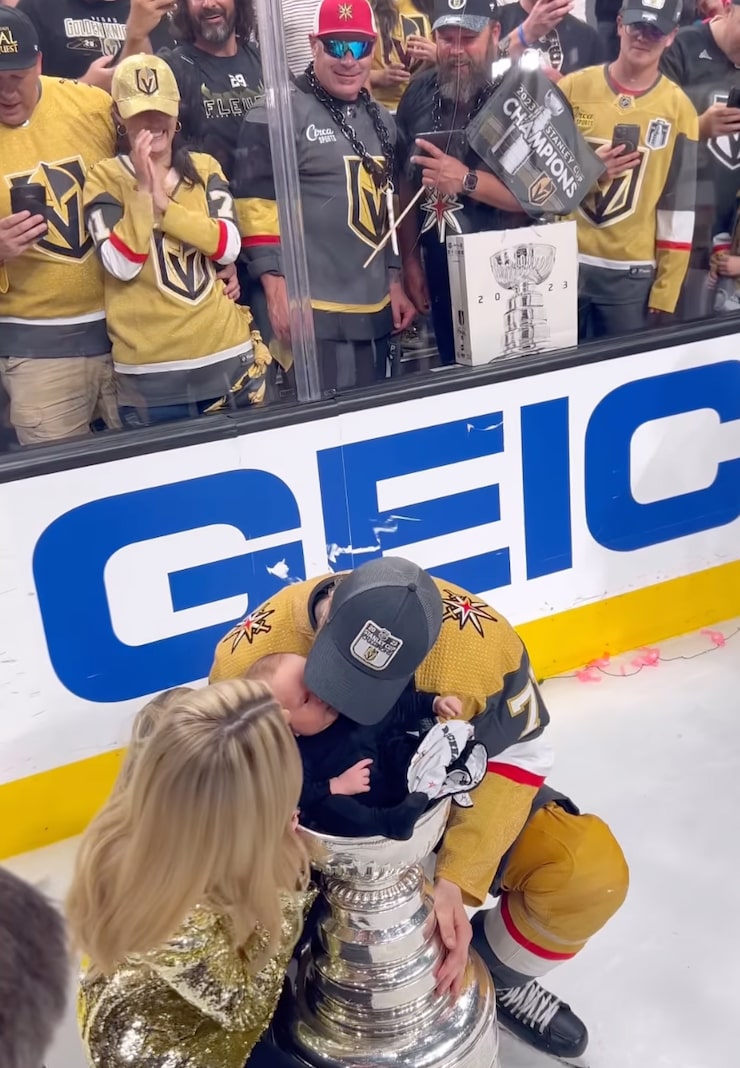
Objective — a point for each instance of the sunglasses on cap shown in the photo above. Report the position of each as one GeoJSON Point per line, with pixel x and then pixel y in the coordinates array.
{"type": "Point", "coordinates": [339, 49]}
{"type": "Point", "coordinates": [646, 30]}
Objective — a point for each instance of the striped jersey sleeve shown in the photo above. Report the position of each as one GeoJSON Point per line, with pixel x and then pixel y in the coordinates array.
{"type": "Point", "coordinates": [675, 218]}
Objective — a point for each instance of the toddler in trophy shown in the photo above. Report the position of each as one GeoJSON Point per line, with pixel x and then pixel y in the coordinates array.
{"type": "Point", "coordinates": [362, 780]}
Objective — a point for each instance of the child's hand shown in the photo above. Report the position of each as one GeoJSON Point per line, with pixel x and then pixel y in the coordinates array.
{"type": "Point", "coordinates": [355, 780]}
{"type": "Point", "coordinates": [726, 265]}
{"type": "Point", "coordinates": [447, 707]}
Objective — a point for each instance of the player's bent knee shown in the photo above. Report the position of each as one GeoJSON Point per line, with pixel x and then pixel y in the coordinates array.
{"type": "Point", "coordinates": [600, 874]}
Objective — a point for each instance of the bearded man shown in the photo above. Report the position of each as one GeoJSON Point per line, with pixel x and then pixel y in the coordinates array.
{"type": "Point", "coordinates": [462, 194]}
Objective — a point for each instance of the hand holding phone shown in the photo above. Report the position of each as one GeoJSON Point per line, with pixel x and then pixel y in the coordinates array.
{"type": "Point", "coordinates": [29, 197]}
{"type": "Point", "coordinates": [733, 97]}
{"type": "Point", "coordinates": [626, 134]}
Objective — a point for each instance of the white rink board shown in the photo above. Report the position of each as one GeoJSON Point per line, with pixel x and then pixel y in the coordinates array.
{"type": "Point", "coordinates": [561, 489]}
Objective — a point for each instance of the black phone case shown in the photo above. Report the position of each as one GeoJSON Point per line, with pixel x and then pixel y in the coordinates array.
{"type": "Point", "coordinates": [24, 199]}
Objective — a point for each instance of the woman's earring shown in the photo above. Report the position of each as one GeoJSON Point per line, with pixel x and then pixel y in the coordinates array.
{"type": "Point", "coordinates": [121, 130]}
{"type": "Point", "coordinates": [178, 126]}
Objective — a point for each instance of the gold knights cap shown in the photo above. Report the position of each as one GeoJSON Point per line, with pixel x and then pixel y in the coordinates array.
{"type": "Point", "coordinates": [145, 83]}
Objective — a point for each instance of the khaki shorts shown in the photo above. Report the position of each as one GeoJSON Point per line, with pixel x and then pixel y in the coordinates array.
{"type": "Point", "coordinates": [58, 399]}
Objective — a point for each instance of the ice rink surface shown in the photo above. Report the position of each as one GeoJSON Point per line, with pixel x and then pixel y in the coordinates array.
{"type": "Point", "coordinates": [653, 747]}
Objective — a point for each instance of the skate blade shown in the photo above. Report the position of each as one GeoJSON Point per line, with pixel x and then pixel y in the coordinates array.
{"type": "Point", "coordinates": [514, 1052]}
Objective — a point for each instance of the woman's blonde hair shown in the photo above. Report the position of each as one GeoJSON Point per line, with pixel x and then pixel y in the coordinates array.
{"type": "Point", "coordinates": [143, 727]}
{"type": "Point", "coordinates": [203, 818]}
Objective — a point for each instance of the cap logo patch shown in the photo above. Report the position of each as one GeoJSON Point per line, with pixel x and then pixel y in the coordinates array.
{"type": "Point", "coordinates": [345, 12]}
{"type": "Point", "coordinates": [456, 5]}
{"type": "Point", "coordinates": [147, 81]}
{"type": "Point", "coordinates": [8, 43]}
{"type": "Point", "coordinates": [375, 646]}
{"type": "Point", "coordinates": [657, 5]}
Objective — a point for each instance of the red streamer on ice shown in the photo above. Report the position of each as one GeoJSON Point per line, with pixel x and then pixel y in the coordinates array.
{"type": "Point", "coordinates": [715, 636]}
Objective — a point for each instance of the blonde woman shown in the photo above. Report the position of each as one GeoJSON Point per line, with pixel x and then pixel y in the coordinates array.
{"type": "Point", "coordinates": [189, 890]}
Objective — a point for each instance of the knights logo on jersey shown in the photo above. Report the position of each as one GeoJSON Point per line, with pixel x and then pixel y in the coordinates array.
{"type": "Point", "coordinates": [366, 203]}
{"type": "Point", "coordinates": [657, 133]}
{"type": "Point", "coordinates": [409, 27]}
{"type": "Point", "coordinates": [181, 269]}
{"type": "Point", "coordinates": [66, 237]}
{"type": "Point", "coordinates": [619, 199]}
{"type": "Point", "coordinates": [725, 149]}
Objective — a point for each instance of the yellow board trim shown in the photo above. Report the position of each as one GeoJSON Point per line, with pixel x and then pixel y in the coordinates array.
{"type": "Point", "coordinates": [56, 804]}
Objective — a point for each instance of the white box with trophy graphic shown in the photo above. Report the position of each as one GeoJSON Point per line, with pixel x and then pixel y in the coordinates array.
{"type": "Point", "coordinates": [514, 292]}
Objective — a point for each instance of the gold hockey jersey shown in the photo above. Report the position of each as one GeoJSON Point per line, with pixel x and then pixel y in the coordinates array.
{"type": "Point", "coordinates": [479, 657]}
{"type": "Point", "coordinates": [170, 322]}
{"type": "Point", "coordinates": [409, 22]}
{"type": "Point", "coordinates": [51, 297]}
{"type": "Point", "coordinates": [644, 217]}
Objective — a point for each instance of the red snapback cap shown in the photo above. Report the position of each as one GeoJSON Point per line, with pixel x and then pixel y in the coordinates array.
{"type": "Point", "coordinates": [345, 17]}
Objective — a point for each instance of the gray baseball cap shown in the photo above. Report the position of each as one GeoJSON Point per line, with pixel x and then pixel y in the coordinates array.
{"type": "Point", "coordinates": [385, 617]}
{"type": "Point", "coordinates": [473, 15]}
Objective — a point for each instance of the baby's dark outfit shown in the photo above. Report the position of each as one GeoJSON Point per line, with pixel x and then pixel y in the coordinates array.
{"type": "Point", "coordinates": [387, 808]}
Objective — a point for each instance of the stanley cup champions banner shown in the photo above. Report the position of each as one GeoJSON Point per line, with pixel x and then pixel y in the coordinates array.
{"type": "Point", "coordinates": [527, 135]}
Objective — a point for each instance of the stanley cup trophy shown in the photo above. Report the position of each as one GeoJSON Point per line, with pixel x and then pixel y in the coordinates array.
{"type": "Point", "coordinates": [519, 269]}
{"type": "Point", "coordinates": [364, 994]}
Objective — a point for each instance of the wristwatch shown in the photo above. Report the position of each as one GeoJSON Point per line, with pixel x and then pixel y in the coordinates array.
{"type": "Point", "coordinates": [470, 182]}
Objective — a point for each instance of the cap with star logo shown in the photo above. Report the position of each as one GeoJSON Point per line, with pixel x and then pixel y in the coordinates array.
{"type": "Point", "coordinates": [345, 18]}
{"type": "Point", "coordinates": [384, 619]}
{"type": "Point", "coordinates": [474, 15]}
{"type": "Point", "coordinates": [19, 42]}
{"type": "Point", "coordinates": [665, 15]}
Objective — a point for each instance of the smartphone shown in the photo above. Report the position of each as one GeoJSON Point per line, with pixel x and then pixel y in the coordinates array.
{"type": "Point", "coordinates": [448, 141]}
{"type": "Point", "coordinates": [733, 97]}
{"type": "Point", "coordinates": [30, 197]}
{"type": "Point", "coordinates": [626, 134]}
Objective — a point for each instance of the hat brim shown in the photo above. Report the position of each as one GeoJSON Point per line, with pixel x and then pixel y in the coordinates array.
{"type": "Point", "coordinates": [475, 23]}
{"type": "Point", "coordinates": [666, 26]}
{"type": "Point", "coordinates": [344, 34]}
{"type": "Point", "coordinates": [347, 689]}
{"type": "Point", "coordinates": [10, 66]}
{"type": "Point", "coordinates": [128, 108]}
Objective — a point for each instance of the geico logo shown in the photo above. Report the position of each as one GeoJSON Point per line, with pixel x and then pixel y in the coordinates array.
{"type": "Point", "coordinates": [128, 612]}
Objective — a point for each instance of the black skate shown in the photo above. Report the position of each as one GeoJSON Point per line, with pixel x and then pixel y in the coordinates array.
{"type": "Point", "coordinates": [542, 1020]}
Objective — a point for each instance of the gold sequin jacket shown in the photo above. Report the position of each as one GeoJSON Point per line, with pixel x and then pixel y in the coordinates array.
{"type": "Point", "coordinates": [192, 1003]}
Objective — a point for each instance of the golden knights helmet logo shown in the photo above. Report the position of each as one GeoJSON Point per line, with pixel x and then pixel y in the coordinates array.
{"type": "Point", "coordinates": [619, 200]}
{"type": "Point", "coordinates": [147, 81]}
{"type": "Point", "coordinates": [66, 237]}
{"type": "Point", "coordinates": [181, 270]}
{"type": "Point", "coordinates": [367, 213]}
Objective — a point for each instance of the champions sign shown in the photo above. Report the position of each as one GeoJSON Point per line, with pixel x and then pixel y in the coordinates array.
{"type": "Point", "coordinates": [528, 137]}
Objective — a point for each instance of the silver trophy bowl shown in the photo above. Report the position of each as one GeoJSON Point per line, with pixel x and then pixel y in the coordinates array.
{"type": "Point", "coordinates": [364, 992]}
{"type": "Point", "coordinates": [519, 269]}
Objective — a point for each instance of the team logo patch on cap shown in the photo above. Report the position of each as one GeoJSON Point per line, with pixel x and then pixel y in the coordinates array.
{"type": "Point", "coordinates": [345, 12]}
{"type": "Point", "coordinates": [456, 5]}
{"type": "Point", "coordinates": [147, 81]}
{"type": "Point", "coordinates": [657, 5]}
{"type": "Point", "coordinates": [375, 646]}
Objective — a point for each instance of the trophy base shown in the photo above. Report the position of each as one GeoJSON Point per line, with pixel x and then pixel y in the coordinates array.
{"type": "Point", "coordinates": [435, 1032]}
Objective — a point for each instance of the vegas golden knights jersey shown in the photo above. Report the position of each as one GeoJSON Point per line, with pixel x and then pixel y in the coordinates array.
{"type": "Point", "coordinates": [479, 657]}
{"type": "Point", "coordinates": [51, 297]}
{"type": "Point", "coordinates": [409, 22]}
{"type": "Point", "coordinates": [344, 214]}
{"type": "Point", "coordinates": [175, 333]}
{"type": "Point", "coordinates": [644, 218]}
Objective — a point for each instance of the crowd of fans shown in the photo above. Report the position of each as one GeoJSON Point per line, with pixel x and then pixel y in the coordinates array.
{"type": "Point", "coordinates": [141, 272]}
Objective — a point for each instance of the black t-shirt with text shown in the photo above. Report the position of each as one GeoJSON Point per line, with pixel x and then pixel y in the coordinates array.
{"type": "Point", "coordinates": [572, 45]}
{"type": "Point", "coordinates": [697, 63]}
{"type": "Point", "coordinates": [216, 93]}
{"type": "Point", "coordinates": [73, 33]}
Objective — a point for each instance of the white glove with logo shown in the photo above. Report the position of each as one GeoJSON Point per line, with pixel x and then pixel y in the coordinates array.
{"type": "Point", "coordinates": [448, 762]}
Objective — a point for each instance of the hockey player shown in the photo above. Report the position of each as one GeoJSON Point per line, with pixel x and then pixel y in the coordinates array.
{"type": "Point", "coordinates": [705, 61]}
{"type": "Point", "coordinates": [462, 195]}
{"type": "Point", "coordinates": [634, 229]}
{"type": "Point", "coordinates": [561, 875]}
{"type": "Point", "coordinates": [345, 145]}
{"type": "Point", "coordinates": [54, 350]}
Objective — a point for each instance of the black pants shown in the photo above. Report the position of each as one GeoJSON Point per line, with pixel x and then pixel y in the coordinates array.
{"type": "Point", "coordinates": [352, 364]}
{"type": "Point", "coordinates": [612, 303]}
{"type": "Point", "coordinates": [438, 284]}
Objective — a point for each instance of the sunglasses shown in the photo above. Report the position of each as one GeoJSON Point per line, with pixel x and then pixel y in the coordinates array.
{"type": "Point", "coordinates": [644, 29]}
{"type": "Point", "coordinates": [339, 49]}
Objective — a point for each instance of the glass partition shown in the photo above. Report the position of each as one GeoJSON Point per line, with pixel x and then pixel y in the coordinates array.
{"type": "Point", "coordinates": [291, 201]}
